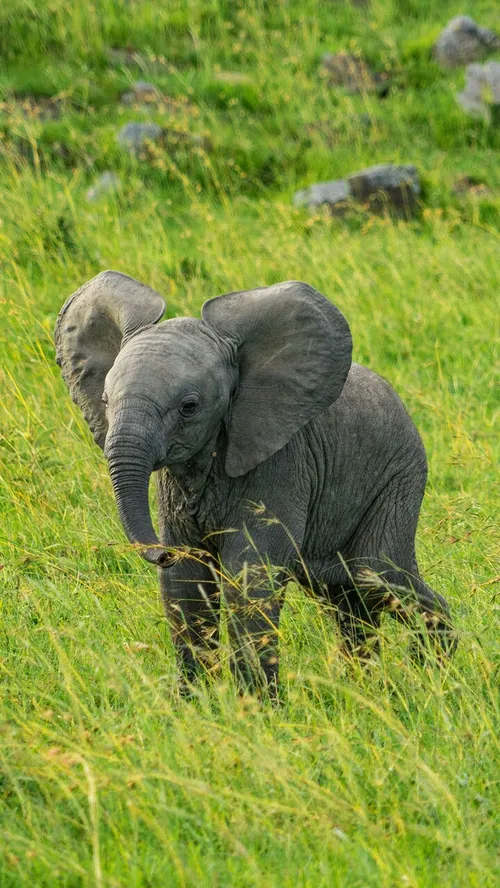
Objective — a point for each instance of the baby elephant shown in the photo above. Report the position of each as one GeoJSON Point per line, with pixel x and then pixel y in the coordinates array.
{"type": "Point", "coordinates": [275, 455]}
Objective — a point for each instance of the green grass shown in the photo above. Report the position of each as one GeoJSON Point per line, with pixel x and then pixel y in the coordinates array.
{"type": "Point", "coordinates": [379, 777]}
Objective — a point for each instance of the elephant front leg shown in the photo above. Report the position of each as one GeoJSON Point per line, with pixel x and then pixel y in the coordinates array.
{"type": "Point", "coordinates": [191, 601]}
{"type": "Point", "coordinates": [255, 569]}
{"type": "Point", "coordinates": [254, 602]}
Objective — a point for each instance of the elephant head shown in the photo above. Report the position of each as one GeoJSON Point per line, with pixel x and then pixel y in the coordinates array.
{"type": "Point", "coordinates": [264, 362]}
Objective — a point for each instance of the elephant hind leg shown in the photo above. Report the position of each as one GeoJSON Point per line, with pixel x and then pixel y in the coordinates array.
{"type": "Point", "coordinates": [408, 599]}
{"type": "Point", "coordinates": [416, 605]}
{"type": "Point", "coordinates": [371, 587]}
{"type": "Point", "coordinates": [380, 559]}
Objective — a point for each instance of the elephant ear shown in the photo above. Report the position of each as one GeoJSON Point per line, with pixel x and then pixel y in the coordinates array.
{"type": "Point", "coordinates": [89, 333]}
{"type": "Point", "coordinates": [294, 353]}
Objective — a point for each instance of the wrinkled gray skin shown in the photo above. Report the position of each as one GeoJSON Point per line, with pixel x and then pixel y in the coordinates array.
{"type": "Point", "coordinates": [256, 404]}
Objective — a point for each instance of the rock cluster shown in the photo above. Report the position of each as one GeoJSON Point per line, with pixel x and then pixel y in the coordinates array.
{"type": "Point", "coordinates": [136, 137]}
{"type": "Point", "coordinates": [481, 95]}
{"type": "Point", "coordinates": [463, 42]}
{"type": "Point", "coordinates": [331, 193]}
{"type": "Point", "coordinates": [384, 186]}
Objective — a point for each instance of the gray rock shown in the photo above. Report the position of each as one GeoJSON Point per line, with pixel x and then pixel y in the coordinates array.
{"type": "Point", "coordinates": [385, 186]}
{"type": "Point", "coordinates": [482, 90]}
{"type": "Point", "coordinates": [134, 137]}
{"type": "Point", "coordinates": [383, 176]}
{"type": "Point", "coordinates": [107, 183]}
{"type": "Point", "coordinates": [143, 93]}
{"type": "Point", "coordinates": [40, 107]}
{"type": "Point", "coordinates": [330, 193]}
{"type": "Point", "coordinates": [463, 41]}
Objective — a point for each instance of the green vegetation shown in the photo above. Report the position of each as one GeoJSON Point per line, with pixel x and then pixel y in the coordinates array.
{"type": "Point", "coordinates": [386, 776]}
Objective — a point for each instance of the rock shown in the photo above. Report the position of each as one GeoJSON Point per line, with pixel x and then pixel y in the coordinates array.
{"type": "Point", "coordinates": [383, 177]}
{"type": "Point", "coordinates": [462, 42]}
{"type": "Point", "coordinates": [330, 193]}
{"type": "Point", "coordinates": [353, 74]}
{"type": "Point", "coordinates": [385, 186]}
{"type": "Point", "coordinates": [481, 95]}
{"type": "Point", "coordinates": [471, 98]}
{"type": "Point", "coordinates": [107, 183]}
{"type": "Point", "coordinates": [143, 93]}
{"type": "Point", "coordinates": [134, 137]}
{"type": "Point", "coordinates": [41, 107]}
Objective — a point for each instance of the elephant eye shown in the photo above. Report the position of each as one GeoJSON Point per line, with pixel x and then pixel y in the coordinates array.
{"type": "Point", "coordinates": [188, 406]}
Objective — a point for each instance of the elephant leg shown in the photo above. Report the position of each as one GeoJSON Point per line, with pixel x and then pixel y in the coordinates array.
{"type": "Point", "coordinates": [191, 600]}
{"type": "Point", "coordinates": [416, 605]}
{"type": "Point", "coordinates": [405, 596]}
{"type": "Point", "coordinates": [253, 607]}
{"type": "Point", "coordinates": [255, 567]}
{"type": "Point", "coordinates": [358, 621]}
{"type": "Point", "coordinates": [380, 558]}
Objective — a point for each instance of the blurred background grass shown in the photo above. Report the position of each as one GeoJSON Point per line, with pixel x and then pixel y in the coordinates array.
{"type": "Point", "coordinates": [381, 777]}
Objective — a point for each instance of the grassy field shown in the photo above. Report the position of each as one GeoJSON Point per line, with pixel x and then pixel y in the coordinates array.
{"type": "Point", "coordinates": [381, 777]}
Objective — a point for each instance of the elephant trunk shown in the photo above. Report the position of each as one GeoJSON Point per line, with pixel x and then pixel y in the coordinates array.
{"type": "Point", "coordinates": [130, 468]}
